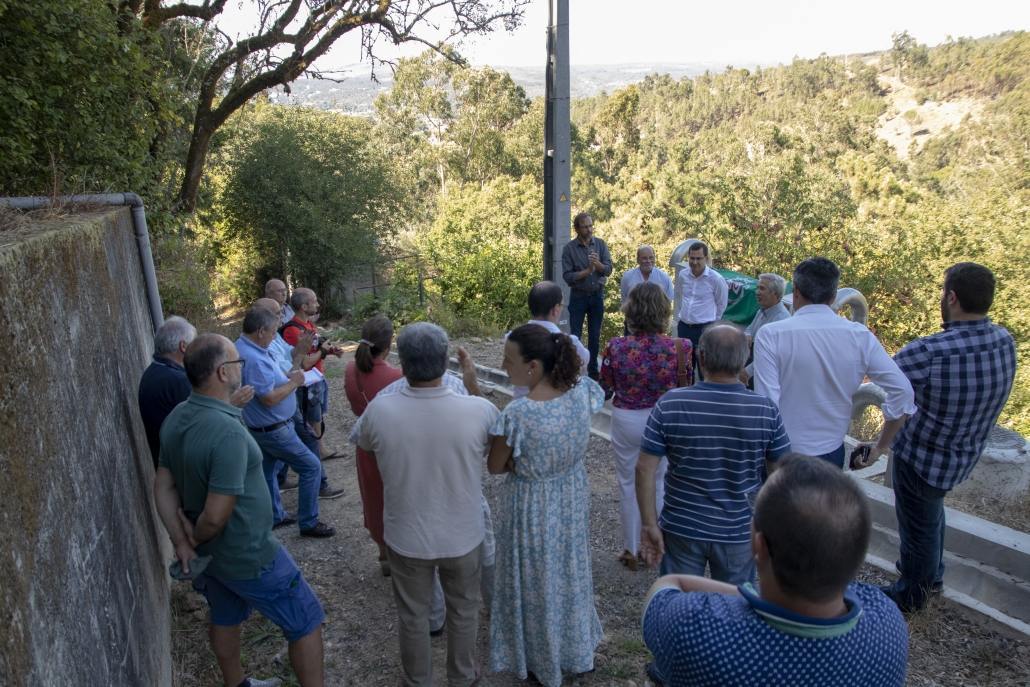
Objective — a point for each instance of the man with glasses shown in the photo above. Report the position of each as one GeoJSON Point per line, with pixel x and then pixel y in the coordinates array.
{"type": "Point", "coordinates": [586, 265]}
{"type": "Point", "coordinates": [276, 290]}
{"type": "Point", "coordinates": [645, 271]}
{"type": "Point", "coordinates": [209, 494]}
{"type": "Point", "coordinates": [269, 417]}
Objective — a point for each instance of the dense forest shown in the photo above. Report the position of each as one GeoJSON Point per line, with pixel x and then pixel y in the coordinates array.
{"type": "Point", "coordinates": [895, 165]}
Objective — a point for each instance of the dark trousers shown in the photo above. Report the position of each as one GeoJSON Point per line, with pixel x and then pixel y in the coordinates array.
{"type": "Point", "coordinates": [834, 457]}
{"type": "Point", "coordinates": [920, 511]}
{"type": "Point", "coordinates": [589, 306]}
{"type": "Point", "coordinates": [693, 332]}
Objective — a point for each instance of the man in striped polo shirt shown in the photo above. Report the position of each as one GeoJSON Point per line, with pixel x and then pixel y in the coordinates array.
{"type": "Point", "coordinates": [718, 437]}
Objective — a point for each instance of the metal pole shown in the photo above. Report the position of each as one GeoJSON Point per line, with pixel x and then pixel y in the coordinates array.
{"type": "Point", "coordinates": [557, 138]}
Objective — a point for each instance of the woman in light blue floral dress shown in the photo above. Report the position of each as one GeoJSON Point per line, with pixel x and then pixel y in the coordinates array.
{"type": "Point", "coordinates": [543, 619]}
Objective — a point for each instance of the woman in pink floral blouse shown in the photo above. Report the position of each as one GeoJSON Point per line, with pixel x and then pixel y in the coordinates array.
{"type": "Point", "coordinates": [639, 368]}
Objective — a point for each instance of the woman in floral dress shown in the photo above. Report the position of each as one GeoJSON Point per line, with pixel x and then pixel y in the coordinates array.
{"type": "Point", "coordinates": [543, 621]}
{"type": "Point", "coordinates": [638, 369]}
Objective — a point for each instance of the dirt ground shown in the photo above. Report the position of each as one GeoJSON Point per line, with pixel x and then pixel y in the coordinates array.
{"type": "Point", "coordinates": [947, 648]}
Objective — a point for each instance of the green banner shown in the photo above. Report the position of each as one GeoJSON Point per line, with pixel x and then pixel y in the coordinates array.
{"type": "Point", "coordinates": [742, 304]}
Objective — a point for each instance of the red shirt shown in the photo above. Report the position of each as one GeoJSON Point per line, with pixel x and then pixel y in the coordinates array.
{"type": "Point", "coordinates": [362, 387]}
{"type": "Point", "coordinates": [291, 333]}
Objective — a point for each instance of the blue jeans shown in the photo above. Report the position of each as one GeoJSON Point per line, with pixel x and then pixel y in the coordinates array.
{"type": "Point", "coordinates": [589, 306]}
{"type": "Point", "coordinates": [284, 445]}
{"type": "Point", "coordinates": [835, 457]}
{"type": "Point", "coordinates": [692, 332]}
{"type": "Point", "coordinates": [309, 440]}
{"type": "Point", "coordinates": [730, 563]}
{"type": "Point", "coordinates": [920, 511]}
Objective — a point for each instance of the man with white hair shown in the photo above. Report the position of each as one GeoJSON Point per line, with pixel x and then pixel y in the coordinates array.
{"type": "Point", "coordinates": [429, 444]}
{"type": "Point", "coordinates": [770, 309]}
{"type": "Point", "coordinates": [644, 272]}
{"type": "Point", "coordinates": [164, 384]}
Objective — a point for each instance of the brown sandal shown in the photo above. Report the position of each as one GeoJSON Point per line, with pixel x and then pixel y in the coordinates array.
{"type": "Point", "coordinates": [628, 560]}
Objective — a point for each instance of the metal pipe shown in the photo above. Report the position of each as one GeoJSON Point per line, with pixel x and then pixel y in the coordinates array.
{"type": "Point", "coordinates": [139, 224]}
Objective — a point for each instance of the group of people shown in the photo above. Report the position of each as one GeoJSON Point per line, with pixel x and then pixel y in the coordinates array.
{"type": "Point", "coordinates": [745, 484]}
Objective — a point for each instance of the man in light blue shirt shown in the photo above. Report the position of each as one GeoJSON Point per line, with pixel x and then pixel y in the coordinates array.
{"type": "Point", "coordinates": [770, 309]}
{"type": "Point", "coordinates": [269, 417]}
{"type": "Point", "coordinates": [645, 271]}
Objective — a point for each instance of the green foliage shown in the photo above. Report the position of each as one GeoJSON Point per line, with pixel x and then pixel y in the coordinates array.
{"type": "Point", "coordinates": [484, 249]}
{"type": "Point", "coordinates": [306, 193]}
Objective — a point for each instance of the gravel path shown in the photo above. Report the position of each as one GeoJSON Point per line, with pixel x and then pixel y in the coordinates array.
{"type": "Point", "coordinates": [947, 648]}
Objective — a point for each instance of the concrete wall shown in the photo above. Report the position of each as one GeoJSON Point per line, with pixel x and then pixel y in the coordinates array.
{"type": "Point", "coordinates": [83, 589]}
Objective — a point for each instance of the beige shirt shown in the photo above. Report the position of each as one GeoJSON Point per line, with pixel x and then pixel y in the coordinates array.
{"type": "Point", "coordinates": [430, 445]}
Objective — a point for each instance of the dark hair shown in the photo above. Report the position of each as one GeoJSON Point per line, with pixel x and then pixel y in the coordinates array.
{"type": "Point", "coordinates": [376, 334]}
{"type": "Point", "coordinates": [816, 523]}
{"type": "Point", "coordinates": [203, 356]}
{"type": "Point", "coordinates": [725, 347]}
{"type": "Point", "coordinates": [973, 285]}
{"type": "Point", "coordinates": [698, 245]}
{"type": "Point", "coordinates": [816, 279]}
{"type": "Point", "coordinates": [259, 317]}
{"type": "Point", "coordinates": [579, 218]}
{"type": "Point", "coordinates": [556, 353]}
{"type": "Point", "coordinates": [647, 309]}
{"type": "Point", "coordinates": [542, 297]}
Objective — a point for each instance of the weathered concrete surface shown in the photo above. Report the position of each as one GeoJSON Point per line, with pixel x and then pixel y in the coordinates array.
{"type": "Point", "coordinates": [83, 589]}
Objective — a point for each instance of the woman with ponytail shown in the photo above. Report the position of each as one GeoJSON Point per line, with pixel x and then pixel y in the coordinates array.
{"type": "Point", "coordinates": [543, 621]}
{"type": "Point", "coordinates": [366, 375]}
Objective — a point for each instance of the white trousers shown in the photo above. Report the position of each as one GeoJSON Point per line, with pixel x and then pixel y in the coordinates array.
{"type": "Point", "coordinates": [627, 429]}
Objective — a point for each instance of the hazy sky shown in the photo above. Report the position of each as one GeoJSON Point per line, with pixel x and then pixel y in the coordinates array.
{"type": "Point", "coordinates": [743, 31]}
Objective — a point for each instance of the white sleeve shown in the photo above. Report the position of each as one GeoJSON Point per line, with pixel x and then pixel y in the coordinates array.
{"type": "Point", "coordinates": [722, 295]}
{"type": "Point", "coordinates": [882, 370]}
{"type": "Point", "coordinates": [766, 367]}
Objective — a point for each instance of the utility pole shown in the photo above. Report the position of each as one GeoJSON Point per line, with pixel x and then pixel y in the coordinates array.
{"type": "Point", "coordinates": [557, 138]}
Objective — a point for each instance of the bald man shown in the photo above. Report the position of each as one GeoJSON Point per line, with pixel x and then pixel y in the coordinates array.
{"type": "Point", "coordinates": [275, 289]}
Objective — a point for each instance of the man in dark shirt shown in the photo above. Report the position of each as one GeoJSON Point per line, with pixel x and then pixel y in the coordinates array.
{"type": "Point", "coordinates": [962, 377]}
{"type": "Point", "coordinates": [586, 264]}
{"type": "Point", "coordinates": [164, 384]}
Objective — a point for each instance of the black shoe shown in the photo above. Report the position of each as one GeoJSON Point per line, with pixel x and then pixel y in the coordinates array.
{"type": "Point", "coordinates": [437, 632]}
{"type": "Point", "coordinates": [329, 493]}
{"type": "Point", "coordinates": [288, 520]}
{"type": "Point", "coordinates": [936, 589]}
{"type": "Point", "coordinates": [320, 531]}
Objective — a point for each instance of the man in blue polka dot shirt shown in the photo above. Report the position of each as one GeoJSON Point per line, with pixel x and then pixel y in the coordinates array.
{"type": "Point", "coordinates": [809, 624]}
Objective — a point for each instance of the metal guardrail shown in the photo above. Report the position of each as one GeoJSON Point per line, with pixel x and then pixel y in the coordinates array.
{"type": "Point", "coordinates": [987, 565]}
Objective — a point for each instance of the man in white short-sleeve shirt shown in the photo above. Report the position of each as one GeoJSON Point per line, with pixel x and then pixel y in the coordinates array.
{"type": "Point", "coordinates": [430, 445]}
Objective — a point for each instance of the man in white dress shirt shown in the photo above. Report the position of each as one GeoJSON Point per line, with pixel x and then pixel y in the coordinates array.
{"type": "Point", "coordinates": [703, 297]}
{"type": "Point", "coordinates": [545, 306]}
{"type": "Point", "coordinates": [645, 271]}
{"type": "Point", "coordinates": [811, 364]}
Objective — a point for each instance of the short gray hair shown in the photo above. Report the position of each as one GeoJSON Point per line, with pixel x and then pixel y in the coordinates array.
{"type": "Point", "coordinates": [168, 336]}
{"type": "Point", "coordinates": [422, 347]}
{"type": "Point", "coordinates": [259, 317]}
{"type": "Point", "coordinates": [725, 348]}
{"type": "Point", "coordinates": [777, 284]}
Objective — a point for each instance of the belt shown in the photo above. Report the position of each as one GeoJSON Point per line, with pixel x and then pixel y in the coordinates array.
{"type": "Point", "coordinates": [269, 428]}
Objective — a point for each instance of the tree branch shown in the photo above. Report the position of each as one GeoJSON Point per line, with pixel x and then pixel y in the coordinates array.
{"type": "Point", "coordinates": [154, 14]}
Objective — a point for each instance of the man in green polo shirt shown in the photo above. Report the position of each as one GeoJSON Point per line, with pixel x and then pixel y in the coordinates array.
{"type": "Point", "coordinates": [211, 495]}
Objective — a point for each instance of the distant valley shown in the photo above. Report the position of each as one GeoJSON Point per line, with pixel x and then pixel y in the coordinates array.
{"type": "Point", "coordinates": [355, 93]}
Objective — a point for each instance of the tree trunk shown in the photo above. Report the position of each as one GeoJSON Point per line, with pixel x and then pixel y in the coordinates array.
{"type": "Point", "coordinates": [194, 170]}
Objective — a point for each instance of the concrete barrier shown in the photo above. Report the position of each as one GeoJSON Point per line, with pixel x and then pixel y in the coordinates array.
{"type": "Point", "coordinates": [84, 591]}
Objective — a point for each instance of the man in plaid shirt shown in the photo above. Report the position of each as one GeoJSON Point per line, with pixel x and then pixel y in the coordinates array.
{"type": "Point", "coordinates": [962, 377]}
